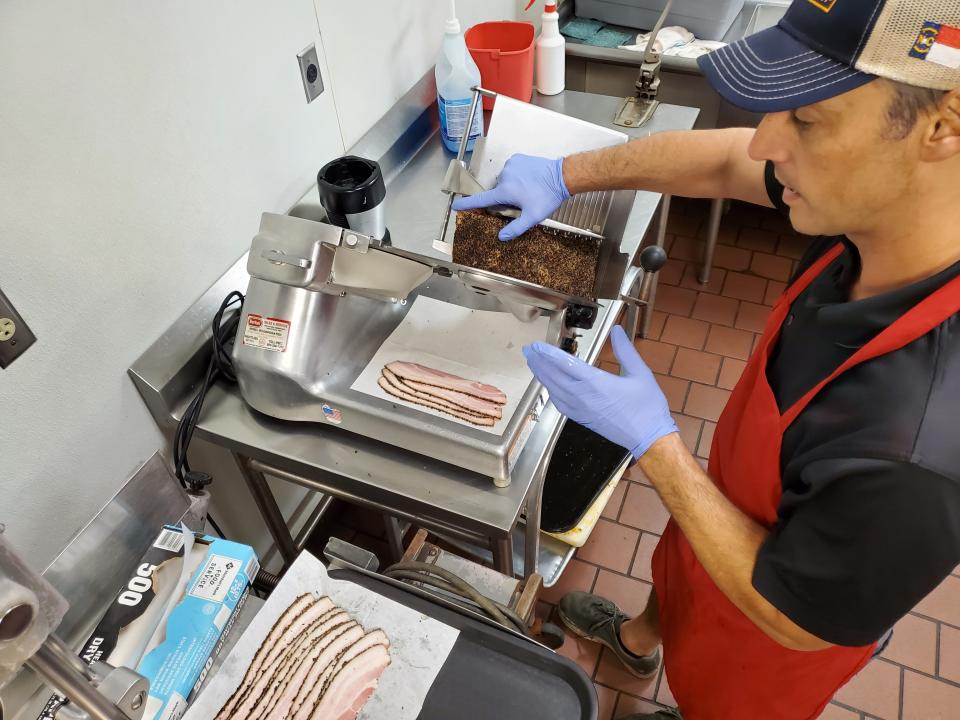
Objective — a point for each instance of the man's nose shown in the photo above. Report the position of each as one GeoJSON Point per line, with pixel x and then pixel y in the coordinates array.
{"type": "Point", "coordinates": [771, 140]}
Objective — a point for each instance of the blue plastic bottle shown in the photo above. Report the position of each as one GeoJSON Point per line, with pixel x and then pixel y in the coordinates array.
{"type": "Point", "coordinates": [456, 74]}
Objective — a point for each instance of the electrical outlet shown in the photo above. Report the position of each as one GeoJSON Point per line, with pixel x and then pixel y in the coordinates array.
{"type": "Point", "coordinates": [310, 72]}
{"type": "Point", "coordinates": [15, 336]}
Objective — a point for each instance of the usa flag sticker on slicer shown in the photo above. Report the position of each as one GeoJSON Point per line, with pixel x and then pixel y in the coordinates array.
{"type": "Point", "coordinates": [938, 43]}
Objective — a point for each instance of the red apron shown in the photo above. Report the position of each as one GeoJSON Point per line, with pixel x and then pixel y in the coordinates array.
{"type": "Point", "coordinates": [719, 664]}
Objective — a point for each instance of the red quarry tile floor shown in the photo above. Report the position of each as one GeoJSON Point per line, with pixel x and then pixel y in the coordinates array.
{"type": "Point", "coordinates": [699, 341]}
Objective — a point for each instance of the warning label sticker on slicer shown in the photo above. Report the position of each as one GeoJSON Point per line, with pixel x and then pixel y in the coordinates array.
{"type": "Point", "coordinates": [266, 333]}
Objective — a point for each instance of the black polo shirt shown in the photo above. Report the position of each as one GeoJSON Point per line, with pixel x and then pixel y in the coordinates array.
{"type": "Point", "coordinates": [870, 512]}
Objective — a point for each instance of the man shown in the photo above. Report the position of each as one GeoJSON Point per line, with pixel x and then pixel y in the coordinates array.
{"type": "Point", "coordinates": [832, 502]}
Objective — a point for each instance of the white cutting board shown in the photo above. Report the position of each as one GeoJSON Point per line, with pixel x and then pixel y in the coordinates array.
{"type": "Point", "coordinates": [479, 345]}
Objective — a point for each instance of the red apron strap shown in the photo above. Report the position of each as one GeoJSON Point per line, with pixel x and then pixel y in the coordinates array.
{"type": "Point", "coordinates": [774, 322]}
{"type": "Point", "coordinates": [915, 323]}
{"type": "Point", "coordinates": [802, 282]}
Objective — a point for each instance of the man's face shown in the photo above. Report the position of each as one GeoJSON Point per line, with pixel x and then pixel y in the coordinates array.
{"type": "Point", "coordinates": [844, 169]}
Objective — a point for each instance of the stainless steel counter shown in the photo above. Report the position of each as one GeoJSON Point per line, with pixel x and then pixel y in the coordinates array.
{"type": "Point", "coordinates": [362, 470]}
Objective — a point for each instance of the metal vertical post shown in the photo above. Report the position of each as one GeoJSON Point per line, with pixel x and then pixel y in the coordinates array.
{"type": "Point", "coordinates": [713, 232]}
{"type": "Point", "coordinates": [461, 153]}
{"type": "Point", "coordinates": [661, 241]}
{"type": "Point", "coordinates": [394, 537]}
{"type": "Point", "coordinates": [269, 509]}
{"type": "Point", "coordinates": [502, 549]}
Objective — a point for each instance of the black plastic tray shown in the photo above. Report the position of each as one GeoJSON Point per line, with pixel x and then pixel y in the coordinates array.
{"type": "Point", "coordinates": [491, 674]}
{"type": "Point", "coordinates": [580, 468]}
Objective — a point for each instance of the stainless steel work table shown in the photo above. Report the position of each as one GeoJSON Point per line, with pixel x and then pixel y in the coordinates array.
{"type": "Point", "coordinates": [445, 499]}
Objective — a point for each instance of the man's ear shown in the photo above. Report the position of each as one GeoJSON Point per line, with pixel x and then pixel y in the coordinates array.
{"type": "Point", "coordinates": [942, 138]}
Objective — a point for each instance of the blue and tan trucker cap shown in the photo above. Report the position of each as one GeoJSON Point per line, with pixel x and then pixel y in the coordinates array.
{"type": "Point", "coordinates": [823, 48]}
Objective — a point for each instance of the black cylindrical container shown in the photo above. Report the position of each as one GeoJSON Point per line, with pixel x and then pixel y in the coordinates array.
{"type": "Point", "coordinates": [352, 192]}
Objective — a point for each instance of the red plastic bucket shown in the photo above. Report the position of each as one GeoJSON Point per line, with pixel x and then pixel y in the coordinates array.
{"type": "Point", "coordinates": [503, 51]}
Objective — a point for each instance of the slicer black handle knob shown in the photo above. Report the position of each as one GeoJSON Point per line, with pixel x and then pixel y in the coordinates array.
{"type": "Point", "coordinates": [581, 317]}
{"type": "Point", "coordinates": [653, 258]}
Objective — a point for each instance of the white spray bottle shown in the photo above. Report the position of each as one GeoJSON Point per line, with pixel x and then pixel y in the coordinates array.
{"type": "Point", "coordinates": [551, 52]}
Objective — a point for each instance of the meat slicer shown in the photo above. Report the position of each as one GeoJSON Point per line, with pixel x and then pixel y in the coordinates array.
{"type": "Point", "coordinates": [323, 299]}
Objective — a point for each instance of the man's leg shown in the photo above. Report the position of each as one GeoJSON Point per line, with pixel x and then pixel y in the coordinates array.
{"type": "Point", "coordinates": [634, 642]}
{"type": "Point", "coordinates": [641, 635]}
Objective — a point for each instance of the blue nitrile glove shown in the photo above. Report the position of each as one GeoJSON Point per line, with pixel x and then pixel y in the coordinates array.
{"type": "Point", "coordinates": [629, 410]}
{"type": "Point", "coordinates": [533, 184]}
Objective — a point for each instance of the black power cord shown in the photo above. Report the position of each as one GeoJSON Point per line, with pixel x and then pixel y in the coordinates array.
{"type": "Point", "coordinates": [220, 366]}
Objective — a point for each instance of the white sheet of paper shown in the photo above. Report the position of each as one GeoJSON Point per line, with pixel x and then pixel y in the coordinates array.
{"type": "Point", "coordinates": [478, 345]}
{"type": "Point", "coordinates": [419, 645]}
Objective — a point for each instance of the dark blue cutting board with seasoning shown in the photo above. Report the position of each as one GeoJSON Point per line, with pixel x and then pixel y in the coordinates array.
{"type": "Point", "coordinates": [491, 674]}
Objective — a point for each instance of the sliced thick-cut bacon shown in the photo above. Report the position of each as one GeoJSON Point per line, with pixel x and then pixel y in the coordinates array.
{"type": "Point", "coordinates": [358, 702]}
{"type": "Point", "coordinates": [356, 678]}
{"type": "Point", "coordinates": [397, 384]}
{"type": "Point", "coordinates": [313, 692]}
{"type": "Point", "coordinates": [428, 376]}
{"type": "Point", "coordinates": [291, 615]}
{"type": "Point", "coordinates": [313, 681]}
{"type": "Point", "coordinates": [459, 400]}
{"type": "Point", "coordinates": [315, 663]}
{"type": "Point", "coordinates": [299, 657]}
{"type": "Point", "coordinates": [405, 394]}
{"type": "Point", "coordinates": [281, 705]}
{"type": "Point", "coordinates": [255, 687]}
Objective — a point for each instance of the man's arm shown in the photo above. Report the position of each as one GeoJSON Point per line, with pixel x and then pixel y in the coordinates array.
{"type": "Point", "coordinates": [631, 411]}
{"type": "Point", "coordinates": [724, 539]}
{"type": "Point", "coordinates": [698, 163]}
{"type": "Point", "coordinates": [694, 163]}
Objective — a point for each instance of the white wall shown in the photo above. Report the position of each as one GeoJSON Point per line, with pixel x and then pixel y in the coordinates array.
{"type": "Point", "coordinates": [378, 49]}
{"type": "Point", "coordinates": [139, 142]}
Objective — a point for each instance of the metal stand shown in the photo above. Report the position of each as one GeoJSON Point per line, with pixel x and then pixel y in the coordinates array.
{"type": "Point", "coordinates": [660, 242]}
{"type": "Point", "coordinates": [254, 472]}
{"type": "Point", "coordinates": [288, 546]}
{"type": "Point", "coordinates": [269, 509]}
{"type": "Point", "coordinates": [713, 232]}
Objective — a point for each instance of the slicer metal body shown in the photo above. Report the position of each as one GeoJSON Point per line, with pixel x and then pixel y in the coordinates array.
{"type": "Point", "coordinates": [322, 300]}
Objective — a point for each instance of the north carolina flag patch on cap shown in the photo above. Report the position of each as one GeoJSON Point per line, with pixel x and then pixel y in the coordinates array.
{"type": "Point", "coordinates": [938, 43]}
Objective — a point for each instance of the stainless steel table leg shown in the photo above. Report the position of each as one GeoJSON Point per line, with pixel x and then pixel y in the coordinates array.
{"type": "Point", "coordinates": [394, 537]}
{"type": "Point", "coordinates": [502, 549]}
{"type": "Point", "coordinates": [531, 544]}
{"type": "Point", "coordinates": [713, 232]}
{"type": "Point", "coordinates": [269, 509]}
{"type": "Point", "coordinates": [661, 241]}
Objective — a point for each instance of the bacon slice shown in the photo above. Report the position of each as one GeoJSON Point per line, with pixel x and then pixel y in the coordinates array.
{"type": "Point", "coordinates": [259, 686]}
{"type": "Point", "coordinates": [459, 400]}
{"type": "Point", "coordinates": [415, 372]}
{"type": "Point", "coordinates": [404, 394]}
{"type": "Point", "coordinates": [353, 679]}
{"type": "Point", "coordinates": [281, 705]}
{"type": "Point", "coordinates": [316, 663]}
{"type": "Point", "coordinates": [298, 659]}
{"type": "Point", "coordinates": [289, 616]}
